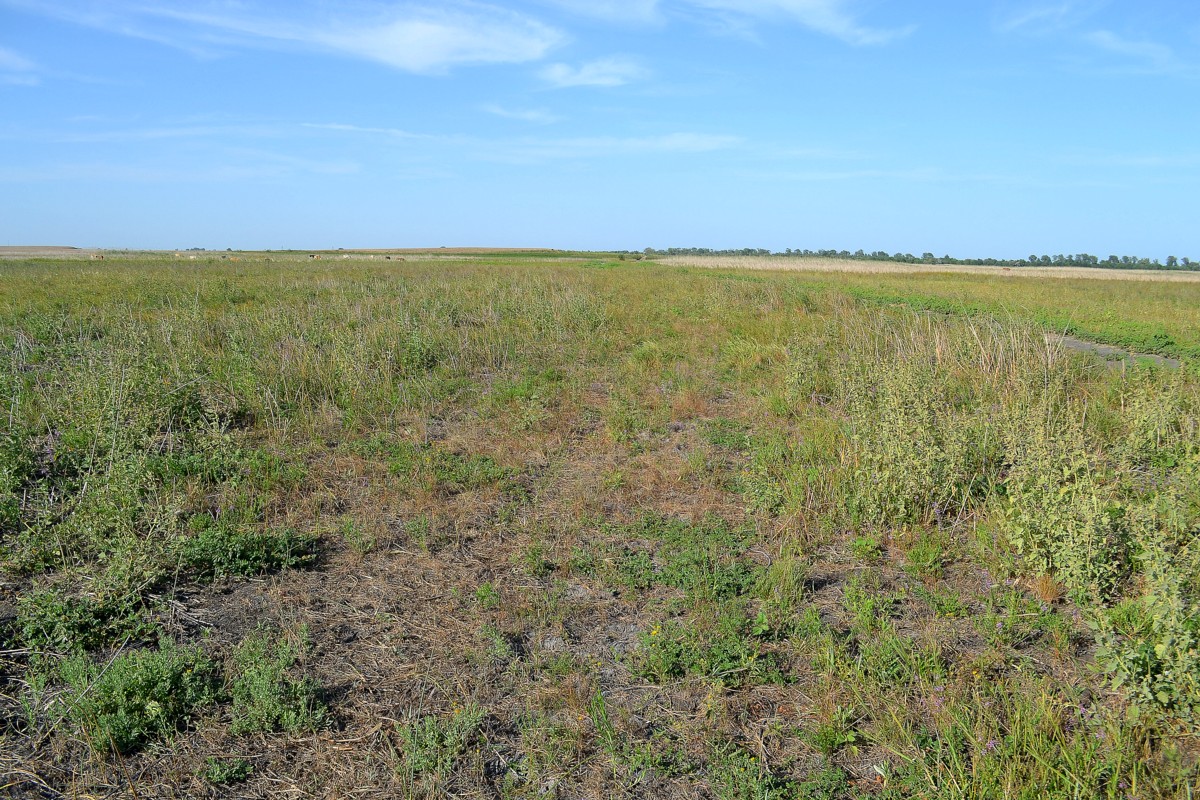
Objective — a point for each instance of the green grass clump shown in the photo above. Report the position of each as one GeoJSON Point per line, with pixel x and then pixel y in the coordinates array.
{"type": "Point", "coordinates": [51, 621]}
{"type": "Point", "coordinates": [450, 472]}
{"type": "Point", "coordinates": [221, 548]}
{"type": "Point", "coordinates": [718, 644]}
{"type": "Point", "coordinates": [702, 559]}
{"type": "Point", "coordinates": [737, 775]}
{"type": "Point", "coordinates": [430, 747]}
{"type": "Point", "coordinates": [265, 692]}
{"type": "Point", "coordinates": [226, 772]}
{"type": "Point", "coordinates": [138, 696]}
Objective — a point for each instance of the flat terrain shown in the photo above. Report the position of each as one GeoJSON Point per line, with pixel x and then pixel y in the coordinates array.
{"type": "Point", "coordinates": [10, 251]}
{"type": "Point", "coordinates": [505, 526]}
{"type": "Point", "coordinates": [798, 264]}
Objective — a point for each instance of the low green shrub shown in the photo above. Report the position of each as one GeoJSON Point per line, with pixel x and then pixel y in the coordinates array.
{"type": "Point", "coordinates": [1058, 515]}
{"type": "Point", "coordinates": [226, 771]}
{"type": "Point", "coordinates": [266, 696]}
{"type": "Point", "coordinates": [1155, 656]}
{"type": "Point", "coordinates": [719, 645]}
{"type": "Point", "coordinates": [53, 621]}
{"type": "Point", "coordinates": [139, 695]}
{"type": "Point", "coordinates": [232, 547]}
{"type": "Point", "coordinates": [737, 775]}
{"type": "Point", "coordinates": [431, 747]}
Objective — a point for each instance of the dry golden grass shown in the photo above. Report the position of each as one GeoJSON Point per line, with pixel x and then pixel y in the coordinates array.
{"type": "Point", "coordinates": [887, 267]}
{"type": "Point", "coordinates": [1046, 588]}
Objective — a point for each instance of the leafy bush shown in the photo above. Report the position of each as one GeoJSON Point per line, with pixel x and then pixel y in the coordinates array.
{"type": "Point", "coordinates": [418, 353]}
{"type": "Point", "coordinates": [265, 695]}
{"type": "Point", "coordinates": [139, 696]}
{"type": "Point", "coordinates": [227, 548]}
{"type": "Point", "coordinates": [723, 647]}
{"type": "Point", "coordinates": [917, 453]}
{"type": "Point", "coordinates": [1157, 659]}
{"type": "Point", "coordinates": [16, 467]}
{"type": "Point", "coordinates": [1057, 514]}
{"type": "Point", "coordinates": [737, 775]}
{"type": "Point", "coordinates": [430, 748]}
{"type": "Point", "coordinates": [53, 621]}
{"type": "Point", "coordinates": [225, 772]}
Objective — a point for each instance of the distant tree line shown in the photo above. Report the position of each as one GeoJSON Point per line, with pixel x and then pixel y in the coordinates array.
{"type": "Point", "coordinates": [1060, 260]}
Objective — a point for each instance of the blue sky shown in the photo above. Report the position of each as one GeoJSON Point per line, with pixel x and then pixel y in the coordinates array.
{"type": "Point", "coordinates": [996, 127]}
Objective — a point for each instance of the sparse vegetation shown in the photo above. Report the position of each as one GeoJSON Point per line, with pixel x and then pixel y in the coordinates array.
{"type": "Point", "coordinates": [265, 694]}
{"type": "Point", "coordinates": [528, 526]}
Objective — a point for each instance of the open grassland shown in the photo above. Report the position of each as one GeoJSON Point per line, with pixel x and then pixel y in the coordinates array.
{"type": "Point", "coordinates": [864, 267]}
{"type": "Point", "coordinates": [1147, 312]}
{"type": "Point", "coordinates": [514, 528]}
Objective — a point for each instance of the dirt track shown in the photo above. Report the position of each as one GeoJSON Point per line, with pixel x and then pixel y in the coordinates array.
{"type": "Point", "coordinates": [888, 267]}
{"type": "Point", "coordinates": [22, 251]}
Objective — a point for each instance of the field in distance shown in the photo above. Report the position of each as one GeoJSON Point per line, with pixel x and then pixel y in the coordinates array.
{"type": "Point", "coordinates": [565, 525]}
{"type": "Point", "coordinates": [801, 264]}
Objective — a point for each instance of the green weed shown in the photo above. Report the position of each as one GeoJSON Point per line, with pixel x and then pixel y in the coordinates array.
{"type": "Point", "coordinates": [266, 695]}
{"type": "Point", "coordinates": [138, 695]}
{"type": "Point", "coordinates": [431, 747]}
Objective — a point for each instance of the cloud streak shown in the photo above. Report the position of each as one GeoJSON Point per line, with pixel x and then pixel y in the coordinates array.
{"type": "Point", "coordinates": [612, 71]}
{"type": "Point", "coordinates": [1153, 55]}
{"type": "Point", "coordinates": [830, 17]}
{"type": "Point", "coordinates": [620, 11]}
{"type": "Point", "coordinates": [537, 116]}
{"type": "Point", "coordinates": [527, 150]}
{"type": "Point", "coordinates": [1045, 18]}
{"type": "Point", "coordinates": [427, 39]}
{"type": "Point", "coordinates": [16, 70]}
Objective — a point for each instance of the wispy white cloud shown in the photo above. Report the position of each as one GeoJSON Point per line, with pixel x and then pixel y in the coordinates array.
{"type": "Point", "coordinates": [16, 70]}
{"type": "Point", "coordinates": [627, 11]}
{"type": "Point", "coordinates": [529, 150]}
{"type": "Point", "coordinates": [834, 18]}
{"type": "Point", "coordinates": [12, 61]}
{"type": "Point", "coordinates": [1044, 18]}
{"type": "Point", "coordinates": [19, 79]}
{"type": "Point", "coordinates": [431, 40]}
{"type": "Point", "coordinates": [223, 167]}
{"type": "Point", "coordinates": [612, 71]}
{"type": "Point", "coordinates": [165, 133]}
{"type": "Point", "coordinates": [538, 116]}
{"type": "Point", "coordinates": [1143, 161]}
{"type": "Point", "coordinates": [1152, 56]}
{"type": "Point", "coordinates": [118, 17]}
{"type": "Point", "coordinates": [421, 38]}
{"type": "Point", "coordinates": [1105, 51]}
{"type": "Point", "coordinates": [394, 133]}
{"type": "Point", "coordinates": [526, 150]}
